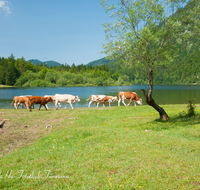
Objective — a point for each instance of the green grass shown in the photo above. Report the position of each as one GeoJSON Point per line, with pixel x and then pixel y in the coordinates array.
{"type": "Point", "coordinates": [100, 148]}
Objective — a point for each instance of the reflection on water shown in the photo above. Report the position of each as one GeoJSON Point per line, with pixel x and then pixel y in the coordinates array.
{"type": "Point", "coordinates": [161, 93]}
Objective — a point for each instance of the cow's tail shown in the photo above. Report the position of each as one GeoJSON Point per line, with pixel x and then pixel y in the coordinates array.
{"type": "Point", "coordinates": [29, 102]}
{"type": "Point", "coordinates": [88, 99]}
{"type": "Point", "coordinates": [12, 102]}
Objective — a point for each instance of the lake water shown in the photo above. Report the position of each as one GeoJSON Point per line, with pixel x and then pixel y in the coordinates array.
{"type": "Point", "coordinates": [162, 94]}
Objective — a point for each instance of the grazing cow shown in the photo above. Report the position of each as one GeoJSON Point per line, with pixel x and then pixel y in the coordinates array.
{"type": "Point", "coordinates": [39, 100]}
{"type": "Point", "coordinates": [20, 100]}
{"type": "Point", "coordinates": [66, 98]}
{"type": "Point", "coordinates": [109, 99]}
{"type": "Point", "coordinates": [95, 98]}
{"type": "Point", "coordinates": [132, 96]}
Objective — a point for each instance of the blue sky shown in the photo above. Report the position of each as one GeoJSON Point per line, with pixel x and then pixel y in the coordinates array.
{"type": "Point", "coordinates": [66, 31]}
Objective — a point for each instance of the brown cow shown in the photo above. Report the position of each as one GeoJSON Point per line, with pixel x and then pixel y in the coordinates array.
{"type": "Point", "coordinates": [39, 100]}
{"type": "Point", "coordinates": [20, 100]}
{"type": "Point", "coordinates": [109, 99]}
{"type": "Point", "coordinates": [132, 96]}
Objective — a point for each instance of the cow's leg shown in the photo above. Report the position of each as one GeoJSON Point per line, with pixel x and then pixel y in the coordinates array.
{"type": "Point", "coordinates": [30, 107]}
{"type": "Point", "coordinates": [119, 102]}
{"type": "Point", "coordinates": [46, 106]}
{"type": "Point", "coordinates": [40, 106]}
{"type": "Point", "coordinates": [97, 104]}
{"type": "Point", "coordinates": [71, 105]}
{"type": "Point", "coordinates": [59, 105]}
{"type": "Point", "coordinates": [26, 105]}
{"type": "Point", "coordinates": [89, 103]}
{"type": "Point", "coordinates": [129, 102]}
{"type": "Point", "coordinates": [134, 103]}
{"type": "Point", "coordinates": [17, 106]}
{"type": "Point", "coordinates": [66, 106]}
{"type": "Point", "coordinates": [56, 104]}
{"type": "Point", "coordinates": [123, 102]}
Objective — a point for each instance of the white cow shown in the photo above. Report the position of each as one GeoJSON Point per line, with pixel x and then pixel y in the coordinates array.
{"type": "Point", "coordinates": [65, 98]}
{"type": "Point", "coordinates": [95, 98]}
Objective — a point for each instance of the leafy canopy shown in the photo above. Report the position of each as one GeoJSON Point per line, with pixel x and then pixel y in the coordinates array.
{"type": "Point", "coordinates": [144, 32]}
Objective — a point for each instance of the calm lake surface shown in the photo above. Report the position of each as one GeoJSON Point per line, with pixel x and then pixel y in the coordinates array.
{"type": "Point", "coordinates": [162, 94]}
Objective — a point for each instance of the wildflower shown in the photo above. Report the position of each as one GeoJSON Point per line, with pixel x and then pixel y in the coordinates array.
{"type": "Point", "coordinates": [109, 178]}
{"type": "Point", "coordinates": [140, 186]}
{"type": "Point", "coordinates": [120, 186]}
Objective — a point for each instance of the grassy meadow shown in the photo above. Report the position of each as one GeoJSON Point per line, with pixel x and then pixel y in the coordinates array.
{"type": "Point", "coordinates": [100, 148]}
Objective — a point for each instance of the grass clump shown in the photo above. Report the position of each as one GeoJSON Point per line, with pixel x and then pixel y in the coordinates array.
{"type": "Point", "coordinates": [190, 109]}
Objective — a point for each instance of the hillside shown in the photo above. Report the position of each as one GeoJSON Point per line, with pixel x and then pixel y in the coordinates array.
{"type": "Point", "coordinates": [49, 63]}
{"type": "Point", "coordinates": [100, 62]}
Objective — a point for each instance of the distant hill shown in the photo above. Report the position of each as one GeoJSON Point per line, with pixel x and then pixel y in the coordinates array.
{"type": "Point", "coordinates": [100, 62]}
{"type": "Point", "coordinates": [49, 63]}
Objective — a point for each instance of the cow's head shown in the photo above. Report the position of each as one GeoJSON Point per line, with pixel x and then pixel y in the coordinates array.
{"type": "Point", "coordinates": [49, 99]}
{"type": "Point", "coordinates": [77, 99]}
{"type": "Point", "coordinates": [114, 98]}
{"type": "Point", "coordinates": [139, 101]}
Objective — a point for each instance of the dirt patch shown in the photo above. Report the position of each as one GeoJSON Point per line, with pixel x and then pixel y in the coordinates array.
{"type": "Point", "coordinates": [23, 128]}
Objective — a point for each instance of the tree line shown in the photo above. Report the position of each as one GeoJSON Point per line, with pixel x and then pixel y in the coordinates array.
{"type": "Point", "coordinates": [22, 73]}
{"type": "Point", "coordinates": [19, 72]}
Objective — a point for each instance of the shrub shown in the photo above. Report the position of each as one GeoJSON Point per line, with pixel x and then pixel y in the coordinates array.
{"type": "Point", "coordinates": [191, 108]}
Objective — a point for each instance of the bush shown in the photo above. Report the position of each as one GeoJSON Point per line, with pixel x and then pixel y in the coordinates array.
{"type": "Point", "coordinates": [191, 108]}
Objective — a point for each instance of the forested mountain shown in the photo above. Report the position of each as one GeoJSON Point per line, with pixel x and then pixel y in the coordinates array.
{"type": "Point", "coordinates": [100, 62]}
{"type": "Point", "coordinates": [49, 63]}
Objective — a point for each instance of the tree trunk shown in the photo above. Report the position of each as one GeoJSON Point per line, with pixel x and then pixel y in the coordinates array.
{"type": "Point", "coordinates": [150, 101]}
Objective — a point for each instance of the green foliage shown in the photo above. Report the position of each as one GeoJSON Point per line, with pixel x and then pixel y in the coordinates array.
{"type": "Point", "coordinates": [26, 74]}
{"type": "Point", "coordinates": [144, 37]}
{"type": "Point", "coordinates": [191, 108]}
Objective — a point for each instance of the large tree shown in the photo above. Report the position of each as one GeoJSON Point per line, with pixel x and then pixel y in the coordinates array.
{"type": "Point", "coordinates": [147, 34]}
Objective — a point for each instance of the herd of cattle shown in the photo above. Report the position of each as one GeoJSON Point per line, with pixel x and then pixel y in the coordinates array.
{"type": "Point", "coordinates": [29, 100]}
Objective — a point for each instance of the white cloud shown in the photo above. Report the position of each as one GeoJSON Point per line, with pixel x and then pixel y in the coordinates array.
{"type": "Point", "coordinates": [4, 6]}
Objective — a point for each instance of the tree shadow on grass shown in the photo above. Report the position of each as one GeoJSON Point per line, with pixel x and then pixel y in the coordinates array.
{"type": "Point", "coordinates": [173, 122]}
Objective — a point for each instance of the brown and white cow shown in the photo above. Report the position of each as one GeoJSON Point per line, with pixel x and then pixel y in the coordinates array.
{"type": "Point", "coordinates": [132, 96]}
{"type": "Point", "coordinates": [95, 99]}
{"type": "Point", "coordinates": [20, 100]}
{"type": "Point", "coordinates": [53, 100]}
{"type": "Point", "coordinates": [39, 100]}
{"type": "Point", "coordinates": [66, 98]}
{"type": "Point", "coordinates": [109, 99]}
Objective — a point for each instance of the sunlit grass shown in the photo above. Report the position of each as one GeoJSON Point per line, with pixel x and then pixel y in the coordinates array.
{"type": "Point", "coordinates": [101, 148]}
